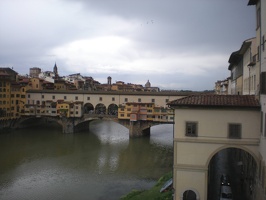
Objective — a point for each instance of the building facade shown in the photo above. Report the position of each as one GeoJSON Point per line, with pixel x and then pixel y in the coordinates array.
{"type": "Point", "coordinates": [205, 125]}
{"type": "Point", "coordinates": [260, 7]}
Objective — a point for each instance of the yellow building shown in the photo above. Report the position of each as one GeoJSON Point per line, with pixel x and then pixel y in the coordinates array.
{"type": "Point", "coordinates": [36, 83]}
{"type": "Point", "coordinates": [145, 111]}
{"type": "Point", "coordinates": [15, 100]}
{"type": "Point", "coordinates": [63, 108]}
{"type": "Point", "coordinates": [5, 81]}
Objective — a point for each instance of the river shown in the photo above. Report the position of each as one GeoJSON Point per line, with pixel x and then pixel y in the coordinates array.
{"type": "Point", "coordinates": [99, 164]}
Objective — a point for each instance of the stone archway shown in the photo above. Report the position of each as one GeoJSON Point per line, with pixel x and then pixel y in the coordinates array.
{"type": "Point", "coordinates": [112, 109]}
{"type": "Point", "coordinates": [88, 108]}
{"type": "Point", "coordinates": [190, 194]}
{"type": "Point", "coordinates": [239, 166]}
{"type": "Point", "coordinates": [100, 109]}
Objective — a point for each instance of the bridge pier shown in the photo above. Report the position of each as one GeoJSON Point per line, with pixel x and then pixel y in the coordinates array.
{"type": "Point", "coordinates": [68, 125]}
{"type": "Point", "coordinates": [138, 129]}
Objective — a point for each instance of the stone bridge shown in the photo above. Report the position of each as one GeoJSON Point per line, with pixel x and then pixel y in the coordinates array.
{"type": "Point", "coordinates": [72, 125]}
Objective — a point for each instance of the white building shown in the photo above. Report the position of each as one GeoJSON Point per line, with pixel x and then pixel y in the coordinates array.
{"type": "Point", "coordinates": [260, 6]}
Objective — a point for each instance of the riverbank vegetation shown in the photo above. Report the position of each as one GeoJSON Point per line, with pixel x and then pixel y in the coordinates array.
{"type": "Point", "coordinates": [154, 193]}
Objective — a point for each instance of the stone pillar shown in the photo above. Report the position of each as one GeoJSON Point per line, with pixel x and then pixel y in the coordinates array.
{"type": "Point", "coordinates": [138, 129]}
{"type": "Point", "coordinates": [68, 125]}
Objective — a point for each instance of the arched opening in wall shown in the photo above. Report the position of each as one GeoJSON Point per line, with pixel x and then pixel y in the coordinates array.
{"type": "Point", "coordinates": [88, 108]}
{"type": "Point", "coordinates": [113, 109]}
{"type": "Point", "coordinates": [231, 174]}
{"type": "Point", "coordinates": [100, 109]}
{"type": "Point", "coordinates": [189, 195]}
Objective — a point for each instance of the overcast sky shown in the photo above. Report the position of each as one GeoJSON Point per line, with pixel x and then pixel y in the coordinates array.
{"type": "Point", "coordinates": [175, 44]}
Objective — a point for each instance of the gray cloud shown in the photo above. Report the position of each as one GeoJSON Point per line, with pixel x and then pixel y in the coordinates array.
{"type": "Point", "coordinates": [182, 44]}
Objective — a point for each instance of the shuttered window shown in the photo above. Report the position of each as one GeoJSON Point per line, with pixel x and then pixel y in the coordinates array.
{"type": "Point", "coordinates": [234, 131]}
{"type": "Point", "coordinates": [263, 83]}
{"type": "Point", "coordinates": [191, 129]}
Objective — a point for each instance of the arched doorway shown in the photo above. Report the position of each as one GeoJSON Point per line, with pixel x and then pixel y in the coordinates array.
{"type": "Point", "coordinates": [100, 109]}
{"type": "Point", "coordinates": [233, 168]}
{"type": "Point", "coordinates": [88, 108]}
{"type": "Point", "coordinates": [113, 109]}
{"type": "Point", "coordinates": [189, 195]}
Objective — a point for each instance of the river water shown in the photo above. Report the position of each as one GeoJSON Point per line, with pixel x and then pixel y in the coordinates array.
{"type": "Point", "coordinates": [99, 164]}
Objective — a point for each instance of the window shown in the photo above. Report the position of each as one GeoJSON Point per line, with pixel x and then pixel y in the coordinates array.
{"type": "Point", "coordinates": [76, 97]}
{"type": "Point", "coordinates": [265, 125]}
{"type": "Point", "coordinates": [100, 98]}
{"type": "Point", "coordinates": [192, 129]}
{"type": "Point", "coordinates": [42, 96]}
{"type": "Point", "coordinates": [258, 53]}
{"type": "Point", "coordinates": [263, 83]}
{"type": "Point", "coordinates": [153, 100]}
{"type": "Point", "coordinates": [166, 100]}
{"type": "Point", "coordinates": [234, 131]}
{"type": "Point", "coordinates": [139, 100]}
{"type": "Point", "coordinates": [126, 99]}
{"type": "Point", "coordinates": [28, 95]}
{"type": "Point", "coordinates": [258, 17]}
{"type": "Point", "coordinates": [65, 97]}
{"type": "Point", "coordinates": [263, 43]}
{"type": "Point", "coordinates": [113, 99]}
{"type": "Point", "coordinates": [261, 121]}
{"type": "Point", "coordinates": [88, 98]}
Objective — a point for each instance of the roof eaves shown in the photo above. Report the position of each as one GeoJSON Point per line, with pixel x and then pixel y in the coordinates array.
{"type": "Point", "coordinates": [252, 2]}
{"type": "Point", "coordinates": [214, 106]}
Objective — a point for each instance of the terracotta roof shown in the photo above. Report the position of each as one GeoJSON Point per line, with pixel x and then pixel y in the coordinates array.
{"type": "Point", "coordinates": [248, 101]}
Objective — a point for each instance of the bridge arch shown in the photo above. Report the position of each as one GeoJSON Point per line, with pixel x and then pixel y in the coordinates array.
{"type": "Point", "coordinates": [100, 109]}
{"type": "Point", "coordinates": [112, 109]}
{"type": "Point", "coordinates": [35, 121]}
{"type": "Point", "coordinates": [88, 108]}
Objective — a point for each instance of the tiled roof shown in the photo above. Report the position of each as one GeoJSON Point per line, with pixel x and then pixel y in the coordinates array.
{"type": "Point", "coordinates": [248, 101]}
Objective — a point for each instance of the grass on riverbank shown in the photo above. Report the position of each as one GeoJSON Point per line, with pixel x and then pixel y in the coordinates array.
{"type": "Point", "coordinates": [153, 193]}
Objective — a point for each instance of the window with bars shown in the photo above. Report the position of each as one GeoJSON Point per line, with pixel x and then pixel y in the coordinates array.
{"type": "Point", "coordinates": [191, 129]}
{"type": "Point", "coordinates": [234, 131]}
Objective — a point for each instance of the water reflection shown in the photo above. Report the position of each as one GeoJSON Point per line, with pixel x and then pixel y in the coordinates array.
{"type": "Point", "coordinates": [102, 163]}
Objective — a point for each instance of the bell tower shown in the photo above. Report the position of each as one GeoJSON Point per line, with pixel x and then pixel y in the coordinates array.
{"type": "Point", "coordinates": [55, 71]}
